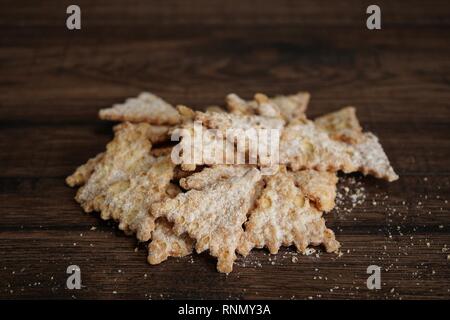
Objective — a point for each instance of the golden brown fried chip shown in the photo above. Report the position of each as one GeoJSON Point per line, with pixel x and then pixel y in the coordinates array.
{"type": "Point", "coordinates": [224, 121]}
{"type": "Point", "coordinates": [214, 216]}
{"type": "Point", "coordinates": [287, 107]}
{"type": "Point", "coordinates": [126, 155]}
{"type": "Point", "coordinates": [199, 146]}
{"type": "Point", "coordinates": [83, 172]}
{"type": "Point", "coordinates": [186, 113]}
{"type": "Point", "coordinates": [372, 159]}
{"type": "Point", "coordinates": [145, 108]}
{"type": "Point", "coordinates": [292, 106]}
{"type": "Point", "coordinates": [215, 109]}
{"type": "Point", "coordinates": [284, 217]}
{"type": "Point", "coordinates": [128, 201]}
{"type": "Point", "coordinates": [341, 125]}
{"type": "Point", "coordinates": [260, 106]}
{"type": "Point", "coordinates": [244, 133]}
{"type": "Point", "coordinates": [212, 175]}
{"type": "Point", "coordinates": [165, 243]}
{"type": "Point", "coordinates": [317, 186]}
{"type": "Point", "coordinates": [304, 146]}
{"type": "Point", "coordinates": [158, 134]}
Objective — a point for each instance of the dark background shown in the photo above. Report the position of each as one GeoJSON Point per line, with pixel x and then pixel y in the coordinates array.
{"type": "Point", "coordinates": [53, 81]}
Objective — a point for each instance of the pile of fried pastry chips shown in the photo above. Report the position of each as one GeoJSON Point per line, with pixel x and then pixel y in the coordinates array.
{"type": "Point", "coordinates": [225, 209]}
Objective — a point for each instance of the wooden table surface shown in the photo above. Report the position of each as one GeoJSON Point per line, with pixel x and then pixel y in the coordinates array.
{"type": "Point", "coordinates": [53, 81]}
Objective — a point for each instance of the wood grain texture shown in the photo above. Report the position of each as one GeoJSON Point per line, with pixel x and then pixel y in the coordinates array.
{"type": "Point", "coordinates": [53, 81]}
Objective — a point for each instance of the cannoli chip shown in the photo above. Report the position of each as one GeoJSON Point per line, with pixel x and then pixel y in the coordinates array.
{"type": "Point", "coordinates": [213, 217]}
{"type": "Point", "coordinates": [212, 175]}
{"type": "Point", "coordinates": [224, 121]}
{"type": "Point", "coordinates": [292, 106]}
{"type": "Point", "coordinates": [128, 201]}
{"type": "Point", "coordinates": [318, 186]}
{"type": "Point", "coordinates": [83, 172]}
{"type": "Point", "coordinates": [341, 125]}
{"type": "Point", "coordinates": [209, 148]}
{"type": "Point", "coordinates": [146, 107]}
{"type": "Point", "coordinates": [165, 243]}
{"type": "Point", "coordinates": [283, 217]}
{"type": "Point", "coordinates": [287, 107]}
{"type": "Point", "coordinates": [305, 146]}
{"type": "Point", "coordinates": [126, 155]}
{"type": "Point", "coordinates": [372, 159]}
{"type": "Point", "coordinates": [215, 109]}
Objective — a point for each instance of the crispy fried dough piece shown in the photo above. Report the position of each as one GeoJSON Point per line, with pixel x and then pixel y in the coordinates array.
{"type": "Point", "coordinates": [214, 216]}
{"type": "Point", "coordinates": [372, 159]}
{"type": "Point", "coordinates": [288, 107]}
{"type": "Point", "coordinates": [186, 113]}
{"type": "Point", "coordinates": [83, 172]}
{"type": "Point", "coordinates": [212, 175]}
{"type": "Point", "coordinates": [292, 106]}
{"type": "Point", "coordinates": [128, 201]}
{"type": "Point", "coordinates": [261, 105]}
{"type": "Point", "coordinates": [243, 131]}
{"type": "Point", "coordinates": [319, 187]}
{"type": "Point", "coordinates": [283, 217]}
{"type": "Point", "coordinates": [126, 155]}
{"type": "Point", "coordinates": [215, 109]}
{"type": "Point", "coordinates": [165, 243]}
{"type": "Point", "coordinates": [146, 107]}
{"type": "Point", "coordinates": [304, 146]}
{"type": "Point", "coordinates": [224, 121]}
{"type": "Point", "coordinates": [341, 125]}
{"type": "Point", "coordinates": [158, 134]}
{"type": "Point", "coordinates": [199, 146]}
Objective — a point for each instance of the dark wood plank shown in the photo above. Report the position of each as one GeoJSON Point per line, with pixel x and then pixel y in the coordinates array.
{"type": "Point", "coordinates": [234, 12]}
{"type": "Point", "coordinates": [53, 82]}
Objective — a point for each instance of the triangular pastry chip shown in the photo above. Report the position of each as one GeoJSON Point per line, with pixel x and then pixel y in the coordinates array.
{"type": "Point", "coordinates": [224, 121]}
{"type": "Point", "coordinates": [158, 134]}
{"type": "Point", "coordinates": [165, 243]}
{"type": "Point", "coordinates": [372, 159]}
{"type": "Point", "coordinates": [305, 146]}
{"type": "Point", "coordinates": [212, 175]}
{"type": "Point", "coordinates": [214, 216]}
{"type": "Point", "coordinates": [126, 155]}
{"type": "Point", "coordinates": [284, 216]}
{"type": "Point", "coordinates": [292, 106]}
{"type": "Point", "coordinates": [215, 109]}
{"type": "Point", "coordinates": [128, 201]}
{"type": "Point", "coordinates": [261, 105]}
{"type": "Point", "coordinates": [341, 125]}
{"type": "Point", "coordinates": [83, 172]}
{"type": "Point", "coordinates": [317, 186]}
{"type": "Point", "coordinates": [144, 108]}
{"type": "Point", "coordinates": [208, 148]}
{"type": "Point", "coordinates": [246, 132]}
{"type": "Point", "coordinates": [288, 107]}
